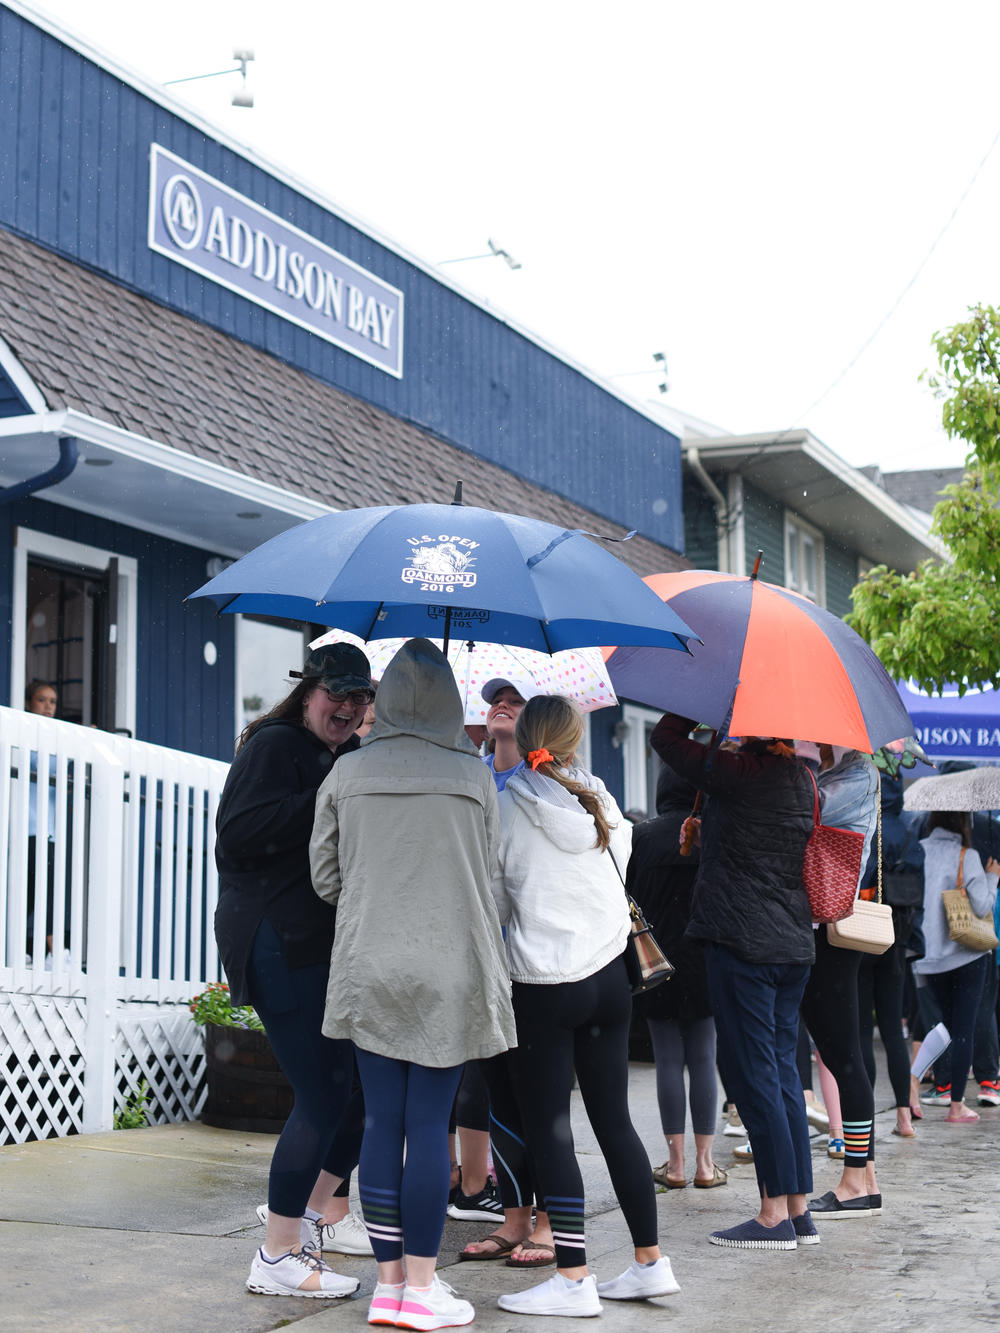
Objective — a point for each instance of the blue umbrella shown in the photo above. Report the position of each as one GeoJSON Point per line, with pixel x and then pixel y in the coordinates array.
{"type": "Point", "coordinates": [434, 570]}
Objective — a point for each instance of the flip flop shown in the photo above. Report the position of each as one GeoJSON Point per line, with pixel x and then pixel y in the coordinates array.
{"type": "Point", "coordinates": [503, 1244]}
{"type": "Point", "coordinates": [543, 1255]}
{"type": "Point", "coordinates": [904, 1133]}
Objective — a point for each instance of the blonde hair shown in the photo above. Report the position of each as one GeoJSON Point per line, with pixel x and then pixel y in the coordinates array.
{"type": "Point", "coordinates": [554, 723]}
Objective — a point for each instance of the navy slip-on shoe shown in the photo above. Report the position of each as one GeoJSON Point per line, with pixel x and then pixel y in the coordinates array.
{"type": "Point", "coordinates": [805, 1232]}
{"type": "Point", "coordinates": [752, 1236]}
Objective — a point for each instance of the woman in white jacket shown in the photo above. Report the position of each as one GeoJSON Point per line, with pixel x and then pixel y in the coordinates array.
{"type": "Point", "coordinates": [955, 974]}
{"type": "Point", "coordinates": [562, 901]}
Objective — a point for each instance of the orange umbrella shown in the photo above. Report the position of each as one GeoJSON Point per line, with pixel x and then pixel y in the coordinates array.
{"type": "Point", "coordinates": [771, 663]}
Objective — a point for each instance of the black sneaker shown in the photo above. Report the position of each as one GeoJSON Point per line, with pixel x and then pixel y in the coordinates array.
{"type": "Point", "coordinates": [456, 1189]}
{"type": "Point", "coordinates": [481, 1207]}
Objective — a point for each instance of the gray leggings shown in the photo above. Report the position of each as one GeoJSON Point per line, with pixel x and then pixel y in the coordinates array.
{"type": "Point", "coordinates": [676, 1044]}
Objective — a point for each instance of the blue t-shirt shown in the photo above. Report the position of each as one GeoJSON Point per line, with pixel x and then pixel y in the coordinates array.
{"type": "Point", "coordinates": [503, 777]}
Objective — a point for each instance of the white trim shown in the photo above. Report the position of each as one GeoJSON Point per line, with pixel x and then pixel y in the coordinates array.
{"type": "Point", "coordinates": [155, 93]}
{"type": "Point", "coordinates": [28, 542]}
{"type": "Point", "coordinates": [634, 770]}
{"type": "Point", "coordinates": [21, 380]}
{"type": "Point", "coordinates": [737, 525]}
{"type": "Point", "coordinates": [181, 464]}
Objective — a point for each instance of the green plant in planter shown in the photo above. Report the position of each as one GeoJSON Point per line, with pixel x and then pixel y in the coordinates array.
{"type": "Point", "coordinates": [214, 1006]}
{"type": "Point", "coordinates": [133, 1113]}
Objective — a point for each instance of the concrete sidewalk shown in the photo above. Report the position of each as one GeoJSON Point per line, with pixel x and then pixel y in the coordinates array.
{"type": "Point", "coordinates": [154, 1229]}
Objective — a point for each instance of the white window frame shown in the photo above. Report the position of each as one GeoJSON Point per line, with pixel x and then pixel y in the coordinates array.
{"type": "Point", "coordinates": [29, 544]}
{"type": "Point", "coordinates": [238, 672]}
{"type": "Point", "coordinates": [635, 719]}
{"type": "Point", "coordinates": [797, 530]}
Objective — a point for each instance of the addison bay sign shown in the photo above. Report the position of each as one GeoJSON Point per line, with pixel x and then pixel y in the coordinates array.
{"type": "Point", "coordinates": [197, 221]}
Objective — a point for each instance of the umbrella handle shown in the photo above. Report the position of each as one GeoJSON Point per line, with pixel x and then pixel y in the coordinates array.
{"type": "Point", "coordinates": [687, 842]}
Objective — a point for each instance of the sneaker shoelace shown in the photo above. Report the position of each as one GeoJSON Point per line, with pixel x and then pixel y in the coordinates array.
{"type": "Point", "coordinates": [310, 1260]}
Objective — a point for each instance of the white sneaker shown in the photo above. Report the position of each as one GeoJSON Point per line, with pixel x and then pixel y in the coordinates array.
{"type": "Point", "coordinates": [310, 1232]}
{"type": "Point", "coordinates": [555, 1296]}
{"type": "Point", "coordinates": [640, 1282]}
{"type": "Point", "coordinates": [386, 1300]}
{"type": "Point", "coordinates": [817, 1115]}
{"type": "Point", "coordinates": [743, 1152]}
{"type": "Point", "coordinates": [284, 1276]}
{"type": "Point", "coordinates": [348, 1236]}
{"type": "Point", "coordinates": [734, 1125]}
{"type": "Point", "coordinates": [435, 1306]}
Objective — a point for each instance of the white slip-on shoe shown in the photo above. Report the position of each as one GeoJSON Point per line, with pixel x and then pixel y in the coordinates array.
{"type": "Point", "coordinates": [284, 1276]}
{"type": "Point", "coordinates": [386, 1300]}
{"type": "Point", "coordinates": [348, 1236]}
{"type": "Point", "coordinates": [640, 1282]}
{"type": "Point", "coordinates": [558, 1296]}
{"type": "Point", "coordinates": [436, 1306]}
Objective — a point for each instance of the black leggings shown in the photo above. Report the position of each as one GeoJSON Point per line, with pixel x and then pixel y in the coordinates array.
{"type": "Point", "coordinates": [830, 1008]}
{"type": "Point", "coordinates": [880, 992]}
{"type": "Point", "coordinates": [582, 1024]}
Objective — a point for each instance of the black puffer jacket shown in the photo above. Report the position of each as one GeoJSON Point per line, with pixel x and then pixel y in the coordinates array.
{"type": "Point", "coordinates": [748, 895]}
{"type": "Point", "coordinates": [661, 881]}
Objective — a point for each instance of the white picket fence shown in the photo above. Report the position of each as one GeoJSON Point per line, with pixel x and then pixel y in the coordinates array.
{"type": "Point", "coordinates": [107, 849]}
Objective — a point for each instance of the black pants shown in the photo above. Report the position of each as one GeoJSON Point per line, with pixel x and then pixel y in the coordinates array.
{"type": "Point", "coordinates": [830, 1008]}
{"type": "Point", "coordinates": [582, 1024]}
{"type": "Point", "coordinates": [880, 993]}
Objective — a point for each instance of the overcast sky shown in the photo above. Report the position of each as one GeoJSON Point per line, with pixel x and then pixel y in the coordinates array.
{"type": "Point", "coordinates": [747, 188]}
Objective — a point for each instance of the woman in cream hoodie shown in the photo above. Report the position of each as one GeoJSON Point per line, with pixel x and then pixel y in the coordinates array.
{"type": "Point", "coordinates": [559, 889]}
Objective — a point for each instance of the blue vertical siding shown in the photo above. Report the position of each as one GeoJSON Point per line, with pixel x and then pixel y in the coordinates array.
{"type": "Point", "coordinates": [180, 700]}
{"type": "Point", "coordinates": [74, 169]}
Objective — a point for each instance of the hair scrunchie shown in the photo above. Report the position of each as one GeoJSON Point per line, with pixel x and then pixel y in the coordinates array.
{"type": "Point", "coordinates": [536, 757]}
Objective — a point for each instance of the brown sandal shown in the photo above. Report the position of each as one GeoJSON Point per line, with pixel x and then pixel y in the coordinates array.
{"type": "Point", "coordinates": [718, 1177]}
{"type": "Point", "coordinates": [542, 1255]}
{"type": "Point", "coordinates": [503, 1244]}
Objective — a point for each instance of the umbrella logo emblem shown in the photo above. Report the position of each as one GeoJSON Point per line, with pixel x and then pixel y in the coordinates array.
{"type": "Point", "coordinates": [441, 564]}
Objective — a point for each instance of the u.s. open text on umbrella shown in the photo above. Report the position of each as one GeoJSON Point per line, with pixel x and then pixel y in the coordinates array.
{"type": "Point", "coordinates": [785, 666]}
{"type": "Point", "coordinates": [409, 570]}
{"type": "Point", "coordinates": [971, 789]}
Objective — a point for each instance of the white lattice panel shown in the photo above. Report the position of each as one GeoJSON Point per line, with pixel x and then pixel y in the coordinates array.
{"type": "Point", "coordinates": [165, 1048]}
{"type": "Point", "coordinates": [41, 1066]}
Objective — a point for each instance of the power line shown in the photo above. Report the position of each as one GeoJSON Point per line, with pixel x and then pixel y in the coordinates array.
{"type": "Point", "coordinates": [899, 299]}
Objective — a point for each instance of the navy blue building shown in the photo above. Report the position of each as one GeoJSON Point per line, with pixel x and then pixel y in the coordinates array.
{"type": "Point", "coordinates": [197, 351]}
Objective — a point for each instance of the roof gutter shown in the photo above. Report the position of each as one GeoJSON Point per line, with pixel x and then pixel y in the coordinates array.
{"type": "Point", "coordinates": [60, 470]}
{"type": "Point", "coordinates": [693, 458]}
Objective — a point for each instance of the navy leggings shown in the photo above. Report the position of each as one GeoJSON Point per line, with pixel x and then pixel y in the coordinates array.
{"type": "Point", "coordinates": [324, 1129]}
{"type": "Point", "coordinates": [958, 992]}
{"type": "Point", "coordinates": [404, 1202]}
{"type": "Point", "coordinates": [582, 1024]}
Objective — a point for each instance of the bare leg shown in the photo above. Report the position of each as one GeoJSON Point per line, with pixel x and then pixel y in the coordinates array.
{"type": "Point", "coordinates": [331, 1207]}
{"type": "Point", "coordinates": [475, 1148]}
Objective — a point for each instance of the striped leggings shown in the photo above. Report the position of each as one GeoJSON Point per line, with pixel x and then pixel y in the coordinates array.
{"type": "Point", "coordinates": [582, 1024]}
{"type": "Point", "coordinates": [407, 1107]}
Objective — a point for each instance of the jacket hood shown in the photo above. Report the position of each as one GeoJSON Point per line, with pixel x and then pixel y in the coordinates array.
{"type": "Point", "coordinates": [417, 696]}
{"type": "Point", "coordinates": [674, 793]}
{"type": "Point", "coordinates": [554, 810]}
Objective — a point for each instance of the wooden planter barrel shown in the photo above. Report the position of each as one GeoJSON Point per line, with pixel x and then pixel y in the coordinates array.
{"type": "Point", "coordinates": [246, 1089]}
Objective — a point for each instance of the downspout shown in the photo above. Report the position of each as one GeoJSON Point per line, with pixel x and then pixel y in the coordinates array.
{"type": "Point", "coordinates": [721, 506]}
{"type": "Point", "coordinates": [68, 452]}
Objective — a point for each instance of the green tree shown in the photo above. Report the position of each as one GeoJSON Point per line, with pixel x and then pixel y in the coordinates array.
{"type": "Point", "coordinates": [942, 623]}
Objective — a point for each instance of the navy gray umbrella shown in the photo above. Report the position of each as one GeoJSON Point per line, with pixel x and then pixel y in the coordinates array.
{"type": "Point", "coordinates": [438, 570]}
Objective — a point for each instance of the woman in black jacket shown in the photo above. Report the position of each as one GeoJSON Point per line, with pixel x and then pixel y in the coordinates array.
{"type": "Point", "coordinates": [679, 1015]}
{"type": "Point", "coordinates": [275, 937]}
{"type": "Point", "coordinates": [750, 909]}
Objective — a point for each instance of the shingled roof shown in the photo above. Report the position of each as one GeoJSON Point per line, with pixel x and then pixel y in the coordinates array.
{"type": "Point", "coordinates": [93, 345]}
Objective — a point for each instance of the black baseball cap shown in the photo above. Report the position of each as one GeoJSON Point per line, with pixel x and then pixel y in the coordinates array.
{"type": "Point", "coordinates": [339, 667]}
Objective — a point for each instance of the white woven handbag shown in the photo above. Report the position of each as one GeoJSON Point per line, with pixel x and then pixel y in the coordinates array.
{"type": "Point", "coordinates": [869, 928]}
